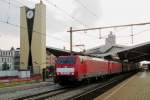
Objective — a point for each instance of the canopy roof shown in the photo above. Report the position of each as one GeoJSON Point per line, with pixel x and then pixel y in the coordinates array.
{"type": "Point", "coordinates": [136, 53]}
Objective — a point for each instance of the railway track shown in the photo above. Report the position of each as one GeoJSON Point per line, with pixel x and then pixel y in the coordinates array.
{"type": "Point", "coordinates": [83, 92]}
{"type": "Point", "coordinates": [91, 91]}
{"type": "Point", "coordinates": [90, 94]}
{"type": "Point", "coordinates": [26, 91]}
{"type": "Point", "coordinates": [21, 88]}
{"type": "Point", "coordinates": [52, 91]}
{"type": "Point", "coordinates": [43, 95]}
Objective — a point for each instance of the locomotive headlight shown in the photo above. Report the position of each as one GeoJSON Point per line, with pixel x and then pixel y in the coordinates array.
{"type": "Point", "coordinates": [72, 73]}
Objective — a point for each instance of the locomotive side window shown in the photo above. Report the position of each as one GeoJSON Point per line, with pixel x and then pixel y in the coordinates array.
{"type": "Point", "coordinates": [66, 60]}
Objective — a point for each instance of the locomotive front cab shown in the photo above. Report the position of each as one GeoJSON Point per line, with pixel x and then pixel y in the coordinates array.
{"type": "Point", "coordinates": [65, 68]}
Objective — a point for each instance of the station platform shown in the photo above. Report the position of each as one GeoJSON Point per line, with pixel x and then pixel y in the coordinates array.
{"type": "Point", "coordinates": [136, 87]}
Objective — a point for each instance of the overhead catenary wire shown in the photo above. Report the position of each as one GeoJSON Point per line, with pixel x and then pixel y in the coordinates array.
{"type": "Point", "coordinates": [7, 2]}
{"type": "Point", "coordinates": [85, 7]}
{"type": "Point", "coordinates": [62, 10]}
{"type": "Point", "coordinates": [54, 5]}
{"type": "Point", "coordinates": [18, 6]}
{"type": "Point", "coordinates": [7, 13]}
{"type": "Point", "coordinates": [107, 27]}
{"type": "Point", "coordinates": [116, 26]}
{"type": "Point", "coordinates": [36, 32]}
{"type": "Point", "coordinates": [19, 1]}
{"type": "Point", "coordinates": [7, 20]}
{"type": "Point", "coordinates": [140, 32]}
{"type": "Point", "coordinates": [86, 30]}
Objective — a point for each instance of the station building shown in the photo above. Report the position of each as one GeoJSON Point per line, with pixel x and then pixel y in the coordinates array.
{"type": "Point", "coordinates": [7, 59]}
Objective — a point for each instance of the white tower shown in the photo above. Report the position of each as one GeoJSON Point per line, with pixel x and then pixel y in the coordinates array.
{"type": "Point", "coordinates": [111, 40]}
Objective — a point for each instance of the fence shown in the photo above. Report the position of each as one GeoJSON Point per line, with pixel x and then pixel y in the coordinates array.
{"type": "Point", "coordinates": [8, 73]}
{"type": "Point", "coordinates": [21, 74]}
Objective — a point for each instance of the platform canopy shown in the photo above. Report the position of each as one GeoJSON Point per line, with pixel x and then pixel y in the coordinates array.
{"type": "Point", "coordinates": [58, 52]}
{"type": "Point", "coordinates": [136, 53]}
{"type": "Point", "coordinates": [133, 53]}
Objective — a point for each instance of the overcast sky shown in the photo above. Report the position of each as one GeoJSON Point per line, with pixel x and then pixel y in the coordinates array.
{"type": "Point", "coordinates": [93, 13]}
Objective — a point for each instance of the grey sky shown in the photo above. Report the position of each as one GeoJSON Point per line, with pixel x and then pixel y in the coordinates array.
{"type": "Point", "coordinates": [108, 12]}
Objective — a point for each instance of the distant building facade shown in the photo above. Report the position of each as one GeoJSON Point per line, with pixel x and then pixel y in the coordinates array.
{"type": "Point", "coordinates": [17, 59]}
{"type": "Point", "coordinates": [7, 59]}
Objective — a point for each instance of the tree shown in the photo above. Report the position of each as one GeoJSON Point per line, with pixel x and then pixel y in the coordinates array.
{"type": "Point", "coordinates": [5, 66]}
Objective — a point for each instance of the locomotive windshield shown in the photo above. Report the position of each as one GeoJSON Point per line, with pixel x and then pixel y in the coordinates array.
{"type": "Point", "coordinates": [66, 60]}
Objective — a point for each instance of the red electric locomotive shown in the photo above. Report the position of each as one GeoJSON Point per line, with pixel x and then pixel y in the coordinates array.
{"type": "Point", "coordinates": [78, 68]}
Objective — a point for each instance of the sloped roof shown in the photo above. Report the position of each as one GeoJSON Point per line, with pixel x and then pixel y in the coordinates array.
{"type": "Point", "coordinates": [136, 53]}
{"type": "Point", "coordinates": [104, 49]}
{"type": "Point", "coordinates": [61, 52]}
{"type": "Point", "coordinates": [57, 52]}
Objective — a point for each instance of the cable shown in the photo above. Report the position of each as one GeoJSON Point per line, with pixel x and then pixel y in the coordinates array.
{"type": "Point", "coordinates": [107, 27]}
{"type": "Point", "coordinates": [4, 1]}
{"type": "Point", "coordinates": [60, 39]}
{"type": "Point", "coordinates": [92, 13]}
{"type": "Point", "coordinates": [62, 10]}
{"type": "Point", "coordinates": [15, 25]}
{"type": "Point", "coordinates": [142, 31]}
{"type": "Point", "coordinates": [63, 23]}
{"type": "Point", "coordinates": [20, 2]}
{"type": "Point", "coordinates": [18, 6]}
{"type": "Point", "coordinates": [8, 11]}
